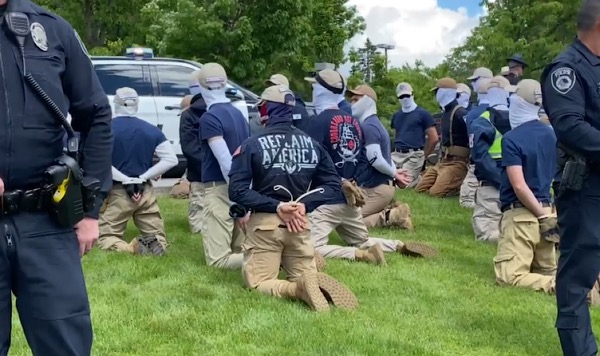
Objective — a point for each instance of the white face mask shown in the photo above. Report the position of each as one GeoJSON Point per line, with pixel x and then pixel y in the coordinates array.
{"type": "Point", "coordinates": [323, 99]}
{"type": "Point", "coordinates": [364, 108]}
{"type": "Point", "coordinates": [215, 96]}
{"type": "Point", "coordinates": [521, 111]}
{"type": "Point", "coordinates": [445, 96]}
{"type": "Point", "coordinates": [463, 100]}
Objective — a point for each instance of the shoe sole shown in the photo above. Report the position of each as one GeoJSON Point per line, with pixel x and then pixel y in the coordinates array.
{"type": "Point", "coordinates": [417, 249]}
{"type": "Point", "coordinates": [336, 292]}
{"type": "Point", "coordinates": [320, 262]}
{"type": "Point", "coordinates": [377, 252]}
{"type": "Point", "coordinates": [148, 243]}
{"type": "Point", "coordinates": [314, 297]}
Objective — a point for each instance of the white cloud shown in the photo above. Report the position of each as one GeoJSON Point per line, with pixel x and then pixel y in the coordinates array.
{"type": "Point", "coordinates": [419, 29]}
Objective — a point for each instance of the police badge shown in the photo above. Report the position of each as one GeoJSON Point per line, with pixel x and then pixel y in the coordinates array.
{"type": "Point", "coordinates": [38, 34]}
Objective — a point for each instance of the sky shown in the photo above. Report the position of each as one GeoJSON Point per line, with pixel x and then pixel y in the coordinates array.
{"type": "Point", "coordinates": [419, 29]}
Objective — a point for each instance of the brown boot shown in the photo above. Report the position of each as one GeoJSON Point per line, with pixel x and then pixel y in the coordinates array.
{"type": "Point", "coordinates": [373, 255]}
{"type": "Point", "coordinates": [337, 293]}
{"type": "Point", "coordinates": [400, 217]}
{"type": "Point", "coordinates": [320, 261]}
{"type": "Point", "coordinates": [147, 245]}
{"type": "Point", "coordinates": [593, 296]}
{"type": "Point", "coordinates": [417, 249]}
{"type": "Point", "coordinates": [307, 290]}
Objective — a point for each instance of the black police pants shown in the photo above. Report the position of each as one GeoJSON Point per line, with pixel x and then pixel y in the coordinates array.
{"type": "Point", "coordinates": [40, 264]}
{"type": "Point", "coordinates": [578, 266]}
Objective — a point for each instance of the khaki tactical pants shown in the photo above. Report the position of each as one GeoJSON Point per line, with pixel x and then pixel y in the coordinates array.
{"type": "Point", "coordinates": [524, 259]}
{"type": "Point", "coordinates": [118, 208]}
{"type": "Point", "coordinates": [267, 247]}
{"type": "Point", "coordinates": [487, 214]}
{"type": "Point", "coordinates": [412, 161]}
{"type": "Point", "coordinates": [221, 235]}
{"type": "Point", "coordinates": [378, 199]}
{"type": "Point", "coordinates": [195, 207]}
{"type": "Point", "coordinates": [444, 179]}
{"type": "Point", "coordinates": [468, 188]}
{"type": "Point", "coordinates": [348, 223]}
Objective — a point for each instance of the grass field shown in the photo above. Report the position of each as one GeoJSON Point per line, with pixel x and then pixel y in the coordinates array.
{"type": "Point", "coordinates": [449, 305]}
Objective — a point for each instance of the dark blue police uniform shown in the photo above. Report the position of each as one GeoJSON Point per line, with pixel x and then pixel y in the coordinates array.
{"type": "Point", "coordinates": [228, 122]}
{"type": "Point", "coordinates": [189, 137]}
{"type": "Point", "coordinates": [482, 135]}
{"type": "Point", "coordinates": [571, 100]}
{"type": "Point", "coordinates": [135, 142]}
{"type": "Point", "coordinates": [410, 129]}
{"type": "Point", "coordinates": [40, 262]}
{"type": "Point", "coordinates": [374, 134]}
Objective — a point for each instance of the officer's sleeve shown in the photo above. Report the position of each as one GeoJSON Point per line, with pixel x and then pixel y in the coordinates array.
{"type": "Point", "coordinates": [90, 112]}
{"type": "Point", "coordinates": [240, 181]}
{"type": "Point", "coordinates": [483, 137]}
{"type": "Point", "coordinates": [326, 177]}
{"type": "Point", "coordinates": [564, 100]}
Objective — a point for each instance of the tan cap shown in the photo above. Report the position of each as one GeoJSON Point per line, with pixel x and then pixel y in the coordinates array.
{"type": "Point", "coordinates": [483, 85]}
{"type": "Point", "coordinates": [211, 76]}
{"type": "Point", "coordinates": [481, 72]}
{"type": "Point", "coordinates": [279, 94]}
{"type": "Point", "coordinates": [364, 89]}
{"type": "Point", "coordinates": [505, 70]}
{"type": "Point", "coordinates": [404, 89]}
{"type": "Point", "coordinates": [445, 83]}
{"type": "Point", "coordinates": [126, 97]}
{"type": "Point", "coordinates": [463, 88]}
{"type": "Point", "coordinates": [496, 82]}
{"type": "Point", "coordinates": [330, 79]}
{"type": "Point", "coordinates": [278, 79]}
{"type": "Point", "coordinates": [528, 89]}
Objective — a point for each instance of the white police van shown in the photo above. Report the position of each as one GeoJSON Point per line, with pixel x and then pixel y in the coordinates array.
{"type": "Point", "coordinates": [161, 83]}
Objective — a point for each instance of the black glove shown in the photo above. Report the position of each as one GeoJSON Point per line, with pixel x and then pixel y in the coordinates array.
{"type": "Point", "coordinates": [134, 186]}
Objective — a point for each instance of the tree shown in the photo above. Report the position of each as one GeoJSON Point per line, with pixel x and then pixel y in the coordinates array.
{"type": "Point", "coordinates": [367, 61]}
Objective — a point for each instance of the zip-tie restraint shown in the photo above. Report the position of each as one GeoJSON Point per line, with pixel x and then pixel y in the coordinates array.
{"type": "Point", "coordinates": [281, 187]}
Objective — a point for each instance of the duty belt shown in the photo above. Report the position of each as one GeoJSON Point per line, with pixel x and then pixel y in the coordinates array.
{"type": "Point", "coordinates": [518, 205]}
{"type": "Point", "coordinates": [33, 200]}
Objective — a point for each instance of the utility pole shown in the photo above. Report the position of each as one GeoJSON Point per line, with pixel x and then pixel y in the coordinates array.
{"type": "Point", "coordinates": [386, 47]}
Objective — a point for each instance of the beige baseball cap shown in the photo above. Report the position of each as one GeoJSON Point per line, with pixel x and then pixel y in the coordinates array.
{"type": "Point", "coordinates": [364, 89]}
{"type": "Point", "coordinates": [330, 79]}
{"type": "Point", "coordinates": [445, 83]}
{"type": "Point", "coordinates": [211, 76]}
{"type": "Point", "coordinates": [496, 82]}
{"type": "Point", "coordinates": [463, 88]}
{"type": "Point", "coordinates": [404, 89]}
{"type": "Point", "coordinates": [279, 94]}
{"type": "Point", "coordinates": [528, 89]}
{"type": "Point", "coordinates": [481, 72]}
{"type": "Point", "coordinates": [126, 97]}
{"type": "Point", "coordinates": [278, 79]}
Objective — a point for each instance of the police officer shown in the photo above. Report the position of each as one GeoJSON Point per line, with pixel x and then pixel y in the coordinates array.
{"type": "Point", "coordinates": [342, 137]}
{"type": "Point", "coordinates": [516, 66]}
{"type": "Point", "coordinates": [223, 128]}
{"type": "Point", "coordinates": [299, 113]}
{"type": "Point", "coordinates": [445, 178]}
{"type": "Point", "coordinates": [132, 195]}
{"type": "Point", "coordinates": [570, 89]}
{"type": "Point", "coordinates": [526, 249]}
{"type": "Point", "coordinates": [486, 153]}
{"type": "Point", "coordinates": [270, 176]}
{"type": "Point", "coordinates": [46, 273]}
{"type": "Point", "coordinates": [189, 136]}
{"type": "Point", "coordinates": [379, 174]}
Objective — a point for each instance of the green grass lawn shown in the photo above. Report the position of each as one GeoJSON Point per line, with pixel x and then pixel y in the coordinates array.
{"type": "Point", "coordinates": [449, 305]}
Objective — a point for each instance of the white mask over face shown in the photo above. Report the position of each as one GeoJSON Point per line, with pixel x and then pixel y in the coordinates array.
{"type": "Point", "coordinates": [463, 100]}
{"type": "Point", "coordinates": [521, 111]}
{"type": "Point", "coordinates": [498, 98]}
{"type": "Point", "coordinates": [364, 108]}
{"type": "Point", "coordinates": [445, 96]}
{"type": "Point", "coordinates": [214, 96]}
{"type": "Point", "coordinates": [324, 99]}
{"type": "Point", "coordinates": [408, 104]}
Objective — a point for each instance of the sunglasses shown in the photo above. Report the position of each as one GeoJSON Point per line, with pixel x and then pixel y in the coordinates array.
{"type": "Point", "coordinates": [404, 96]}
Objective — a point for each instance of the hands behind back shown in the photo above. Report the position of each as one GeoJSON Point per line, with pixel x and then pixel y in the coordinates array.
{"type": "Point", "coordinates": [293, 215]}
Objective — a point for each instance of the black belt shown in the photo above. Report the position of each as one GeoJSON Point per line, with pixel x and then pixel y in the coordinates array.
{"type": "Point", "coordinates": [408, 150]}
{"type": "Point", "coordinates": [33, 200]}
{"type": "Point", "coordinates": [518, 205]}
{"type": "Point", "coordinates": [485, 183]}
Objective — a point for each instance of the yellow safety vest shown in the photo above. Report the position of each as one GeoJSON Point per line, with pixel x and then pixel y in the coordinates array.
{"type": "Point", "coordinates": [495, 149]}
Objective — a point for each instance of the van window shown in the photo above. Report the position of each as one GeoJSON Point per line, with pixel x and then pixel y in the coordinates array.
{"type": "Point", "coordinates": [173, 80]}
{"type": "Point", "coordinates": [115, 76]}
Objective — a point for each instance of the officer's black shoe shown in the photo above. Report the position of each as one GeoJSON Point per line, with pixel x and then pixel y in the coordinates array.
{"type": "Point", "coordinates": [148, 245]}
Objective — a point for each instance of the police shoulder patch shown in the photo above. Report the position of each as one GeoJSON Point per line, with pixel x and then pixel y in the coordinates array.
{"type": "Point", "coordinates": [85, 51]}
{"type": "Point", "coordinates": [563, 80]}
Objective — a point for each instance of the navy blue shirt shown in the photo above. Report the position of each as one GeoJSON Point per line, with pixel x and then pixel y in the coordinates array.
{"type": "Point", "coordinates": [135, 142]}
{"type": "Point", "coordinates": [344, 105]}
{"type": "Point", "coordinates": [300, 116]}
{"type": "Point", "coordinates": [410, 128]}
{"type": "Point", "coordinates": [189, 137]}
{"type": "Point", "coordinates": [482, 135]}
{"type": "Point", "coordinates": [375, 134]}
{"type": "Point", "coordinates": [531, 145]}
{"type": "Point", "coordinates": [226, 121]}
{"type": "Point", "coordinates": [282, 155]}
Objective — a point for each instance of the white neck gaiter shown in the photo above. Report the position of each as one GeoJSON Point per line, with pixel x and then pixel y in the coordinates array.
{"type": "Point", "coordinates": [323, 99]}
{"type": "Point", "coordinates": [408, 104]}
{"type": "Point", "coordinates": [445, 96]}
{"type": "Point", "coordinates": [498, 98]}
{"type": "Point", "coordinates": [482, 99]}
{"type": "Point", "coordinates": [364, 108]}
{"type": "Point", "coordinates": [521, 111]}
{"type": "Point", "coordinates": [463, 100]}
{"type": "Point", "coordinates": [215, 96]}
